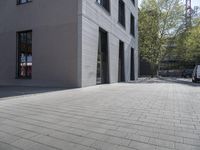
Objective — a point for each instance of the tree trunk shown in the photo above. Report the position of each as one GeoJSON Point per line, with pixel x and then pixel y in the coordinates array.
{"type": "Point", "coordinates": [152, 70]}
{"type": "Point", "coordinates": [158, 69]}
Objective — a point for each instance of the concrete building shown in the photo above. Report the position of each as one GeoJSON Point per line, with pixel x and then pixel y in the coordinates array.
{"type": "Point", "coordinates": [68, 43]}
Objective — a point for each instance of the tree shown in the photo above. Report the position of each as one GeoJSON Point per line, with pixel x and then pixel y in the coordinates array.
{"type": "Point", "coordinates": [158, 21]}
{"type": "Point", "coordinates": [193, 45]}
{"type": "Point", "coordinates": [188, 45]}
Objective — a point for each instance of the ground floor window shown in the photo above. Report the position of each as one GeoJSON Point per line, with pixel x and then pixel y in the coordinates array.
{"type": "Point", "coordinates": [132, 75]}
{"type": "Point", "coordinates": [24, 55]}
{"type": "Point", "coordinates": [121, 70]}
{"type": "Point", "coordinates": [102, 58]}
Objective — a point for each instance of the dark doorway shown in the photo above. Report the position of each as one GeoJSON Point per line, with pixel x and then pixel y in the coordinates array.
{"type": "Point", "coordinates": [132, 75]}
{"type": "Point", "coordinates": [102, 59]}
{"type": "Point", "coordinates": [121, 73]}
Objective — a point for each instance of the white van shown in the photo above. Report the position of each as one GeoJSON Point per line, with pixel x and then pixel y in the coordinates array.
{"type": "Point", "coordinates": [196, 74]}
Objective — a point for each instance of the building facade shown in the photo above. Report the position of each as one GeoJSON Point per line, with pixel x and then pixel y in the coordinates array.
{"type": "Point", "coordinates": [68, 43]}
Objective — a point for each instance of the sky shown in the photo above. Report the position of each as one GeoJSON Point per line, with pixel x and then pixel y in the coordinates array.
{"type": "Point", "coordinates": [194, 3]}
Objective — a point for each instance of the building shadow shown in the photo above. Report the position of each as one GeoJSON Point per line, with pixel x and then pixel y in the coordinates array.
{"type": "Point", "coordinates": [15, 91]}
{"type": "Point", "coordinates": [167, 80]}
{"type": "Point", "coordinates": [180, 81]}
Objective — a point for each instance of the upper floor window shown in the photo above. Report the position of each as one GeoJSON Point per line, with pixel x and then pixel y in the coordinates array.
{"type": "Point", "coordinates": [105, 4]}
{"type": "Point", "coordinates": [133, 1]}
{"type": "Point", "coordinates": [23, 1]}
{"type": "Point", "coordinates": [132, 25]}
{"type": "Point", "coordinates": [121, 13]}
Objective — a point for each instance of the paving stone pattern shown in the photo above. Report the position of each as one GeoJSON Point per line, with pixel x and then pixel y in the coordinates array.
{"type": "Point", "coordinates": [155, 115]}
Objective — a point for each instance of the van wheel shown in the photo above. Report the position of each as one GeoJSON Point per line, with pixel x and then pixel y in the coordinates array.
{"type": "Point", "coordinates": [194, 81]}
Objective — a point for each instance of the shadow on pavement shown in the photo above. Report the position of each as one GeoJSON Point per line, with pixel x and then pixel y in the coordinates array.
{"type": "Point", "coordinates": [181, 81]}
{"type": "Point", "coordinates": [169, 80]}
{"type": "Point", "coordinates": [13, 91]}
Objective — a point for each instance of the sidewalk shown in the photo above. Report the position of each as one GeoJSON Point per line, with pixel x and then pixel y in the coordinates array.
{"type": "Point", "coordinates": [159, 115]}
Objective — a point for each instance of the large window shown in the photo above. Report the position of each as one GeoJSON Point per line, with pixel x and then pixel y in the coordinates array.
{"type": "Point", "coordinates": [121, 13]}
{"type": "Point", "coordinates": [23, 1]}
{"type": "Point", "coordinates": [105, 4]}
{"type": "Point", "coordinates": [132, 75]}
{"type": "Point", "coordinates": [121, 69]}
{"type": "Point", "coordinates": [24, 55]}
{"type": "Point", "coordinates": [102, 58]}
{"type": "Point", "coordinates": [132, 25]}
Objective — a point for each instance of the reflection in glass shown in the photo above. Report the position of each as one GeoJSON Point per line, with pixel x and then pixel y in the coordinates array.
{"type": "Point", "coordinates": [24, 57]}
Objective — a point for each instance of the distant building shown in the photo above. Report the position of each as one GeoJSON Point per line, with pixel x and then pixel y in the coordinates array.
{"type": "Point", "coordinates": [70, 43]}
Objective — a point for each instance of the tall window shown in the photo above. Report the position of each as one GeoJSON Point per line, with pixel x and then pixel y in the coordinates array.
{"type": "Point", "coordinates": [132, 75]}
{"type": "Point", "coordinates": [121, 13]}
{"type": "Point", "coordinates": [132, 25]}
{"type": "Point", "coordinates": [121, 69]}
{"type": "Point", "coordinates": [23, 1]}
{"type": "Point", "coordinates": [102, 58]}
{"type": "Point", "coordinates": [105, 4]}
{"type": "Point", "coordinates": [24, 54]}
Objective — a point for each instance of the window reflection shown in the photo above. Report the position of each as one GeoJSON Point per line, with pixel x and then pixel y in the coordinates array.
{"type": "Point", "coordinates": [23, 1]}
{"type": "Point", "coordinates": [24, 60]}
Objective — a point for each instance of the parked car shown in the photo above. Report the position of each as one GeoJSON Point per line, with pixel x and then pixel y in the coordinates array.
{"type": "Point", "coordinates": [187, 73]}
{"type": "Point", "coordinates": [196, 74]}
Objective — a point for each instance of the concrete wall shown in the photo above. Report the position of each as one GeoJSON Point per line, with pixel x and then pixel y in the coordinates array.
{"type": "Point", "coordinates": [93, 17]}
{"type": "Point", "coordinates": [55, 41]}
{"type": "Point", "coordinates": [65, 41]}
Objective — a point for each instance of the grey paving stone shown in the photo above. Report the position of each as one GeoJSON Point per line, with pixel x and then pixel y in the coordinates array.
{"type": "Point", "coordinates": [26, 134]}
{"type": "Point", "coordinates": [104, 146]}
{"type": "Point", "coordinates": [30, 145]}
{"type": "Point", "coordinates": [8, 138]}
{"type": "Point", "coordinates": [5, 146]}
{"type": "Point", "coordinates": [162, 143]}
{"type": "Point", "coordinates": [138, 138]}
{"type": "Point", "coordinates": [151, 115]}
{"type": "Point", "coordinates": [171, 138]}
{"type": "Point", "coordinates": [9, 129]}
{"type": "Point", "coordinates": [53, 142]}
{"type": "Point", "coordinates": [116, 133]}
{"type": "Point", "coordinates": [142, 146]}
{"type": "Point", "coordinates": [187, 135]}
{"type": "Point", "coordinates": [193, 142]}
{"type": "Point", "coordinates": [180, 146]}
{"type": "Point", "coordinates": [117, 141]}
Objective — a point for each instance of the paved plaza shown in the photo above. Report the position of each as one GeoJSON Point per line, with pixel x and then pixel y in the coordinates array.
{"type": "Point", "coordinates": [151, 114]}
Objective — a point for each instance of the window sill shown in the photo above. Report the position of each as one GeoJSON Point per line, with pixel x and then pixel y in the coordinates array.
{"type": "Point", "coordinates": [124, 27]}
{"type": "Point", "coordinates": [18, 4]}
{"type": "Point", "coordinates": [26, 78]}
{"type": "Point", "coordinates": [132, 35]}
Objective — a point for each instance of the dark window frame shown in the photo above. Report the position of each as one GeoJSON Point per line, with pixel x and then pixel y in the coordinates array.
{"type": "Point", "coordinates": [122, 13]}
{"type": "Point", "coordinates": [103, 75]}
{"type": "Point", "coordinates": [132, 64]}
{"type": "Point", "coordinates": [20, 2]}
{"type": "Point", "coordinates": [132, 25]}
{"type": "Point", "coordinates": [18, 52]}
{"type": "Point", "coordinates": [121, 62]}
{"type": "Point", "coordinates": [105, 4]}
